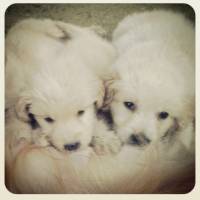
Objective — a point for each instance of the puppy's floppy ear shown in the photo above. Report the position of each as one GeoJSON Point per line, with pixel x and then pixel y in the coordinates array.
{"type": "Point", "coordinates": [22, 108]}
{"type": "Point", "coordinates": [65, 30]}
{"type": "Point", "coordinates": [187, 135]}
{"type": "Point", "coordinates": [109, 91]}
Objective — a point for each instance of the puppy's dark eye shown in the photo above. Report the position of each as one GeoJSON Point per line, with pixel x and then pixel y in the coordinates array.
{"type": "Point", "coordinates": [129, 105]}
{"type": "Point", "coordinates": [49, 119]}
{"type": "Point", "coordinates": [80, 112]}
{"type": "Point", "coordinates": [163, 115]}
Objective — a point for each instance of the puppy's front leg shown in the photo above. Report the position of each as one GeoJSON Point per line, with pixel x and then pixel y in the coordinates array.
{"type": "Point", "coordinates": [105, 141]}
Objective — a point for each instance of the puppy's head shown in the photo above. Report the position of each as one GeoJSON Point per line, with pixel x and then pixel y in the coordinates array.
{"type": "Point", "coordinates": [61, 90]}
{"type": "Point", "coordinates": [61, 104]}
{"type": "Point", "coordinates": [155, 102]}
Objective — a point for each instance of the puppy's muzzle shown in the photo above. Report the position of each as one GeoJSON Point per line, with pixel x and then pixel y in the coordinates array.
{"type": "Point", "coordinates": [72, 146]}
{"type": "Point", "coordinates": [138, 140]}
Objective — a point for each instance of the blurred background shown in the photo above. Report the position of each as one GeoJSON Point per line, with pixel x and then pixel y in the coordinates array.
{"type": "Point", "coordinates": [105, 15]}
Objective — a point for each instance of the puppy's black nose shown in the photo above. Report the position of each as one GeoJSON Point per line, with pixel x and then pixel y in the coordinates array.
{"type": "Point", "coordinates": [138, 140]}
{"type": "Point", "coordinates": [72, 147]}
{"type": "Point", "coordinates": [134, 140]}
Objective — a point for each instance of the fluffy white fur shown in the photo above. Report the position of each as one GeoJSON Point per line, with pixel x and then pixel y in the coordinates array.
{"type": "Point", "coordinates": [156, 71]}
{"type": "Point", "coordinates": [45, 170]}
{"type": "Point", "coordinates": [54, 84]}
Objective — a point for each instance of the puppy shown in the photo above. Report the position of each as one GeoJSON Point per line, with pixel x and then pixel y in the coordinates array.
{"type": "Point", "coordinates": [154, 94]}
{"type": "Point", "coordinates": [131, 171]}
{"type": "Point", "coordinates": [54, 82]}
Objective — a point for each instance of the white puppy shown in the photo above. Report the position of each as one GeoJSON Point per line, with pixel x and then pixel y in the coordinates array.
{"type": "Point", "coordinates": [130, 171]}
{"type": "Point", "coordinates": [54, 82]}
{"type": "Point", "coordinates": [154, 97]}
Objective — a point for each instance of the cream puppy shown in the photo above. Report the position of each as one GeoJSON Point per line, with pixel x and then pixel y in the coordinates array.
{"type": "Point", "coordinates": [154, 97]}
{"type": "Point", "coordinates": [54, 82]}
{"type": "Point", "coordinates": [45, 170]}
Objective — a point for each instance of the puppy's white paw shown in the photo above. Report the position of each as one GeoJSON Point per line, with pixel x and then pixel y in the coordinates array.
{"type": "Point", "coordinates": [40, 140]}
{"type": "Point", "coordinates": [106, 144]}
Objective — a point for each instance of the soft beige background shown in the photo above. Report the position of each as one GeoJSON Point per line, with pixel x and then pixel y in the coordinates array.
{"type": "Point", "coordinates": [105, 15]}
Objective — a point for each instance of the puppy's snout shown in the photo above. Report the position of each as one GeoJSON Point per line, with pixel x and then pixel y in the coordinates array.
{"type": "Point", "coordinates": [139, 140]}
{"type": "Point", "coordinates": [134, 140]}
{"type": "Point", "coordinates": [72, 146]}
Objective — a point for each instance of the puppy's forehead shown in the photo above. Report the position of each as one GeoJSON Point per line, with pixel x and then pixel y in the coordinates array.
{"type": "Point", "coordinates": [152, 94]}
{"type": "Point", "coordinates": [66, 89]}
{"type": "Point", "coordinates": [71, 94]}
{"type": "Point", "coordinates": [150, 77]}
{"type": "Point", "coordinates": [58, 109]}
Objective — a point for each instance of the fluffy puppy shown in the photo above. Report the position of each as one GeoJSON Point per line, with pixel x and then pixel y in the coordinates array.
{"type": "Point", "coordinates": [130, 171]}
{"type": "Point", "coordinates": [54, 81]}
{"type": "Point", "coordinates": [154, 97]}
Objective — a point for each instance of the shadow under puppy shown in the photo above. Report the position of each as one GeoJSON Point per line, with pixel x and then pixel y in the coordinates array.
{"type": "Point", "coordinates": [54, 83]}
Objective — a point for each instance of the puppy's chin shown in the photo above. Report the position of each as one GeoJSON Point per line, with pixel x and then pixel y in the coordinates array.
{"type": "Point", "coordinates": [69, 147]}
